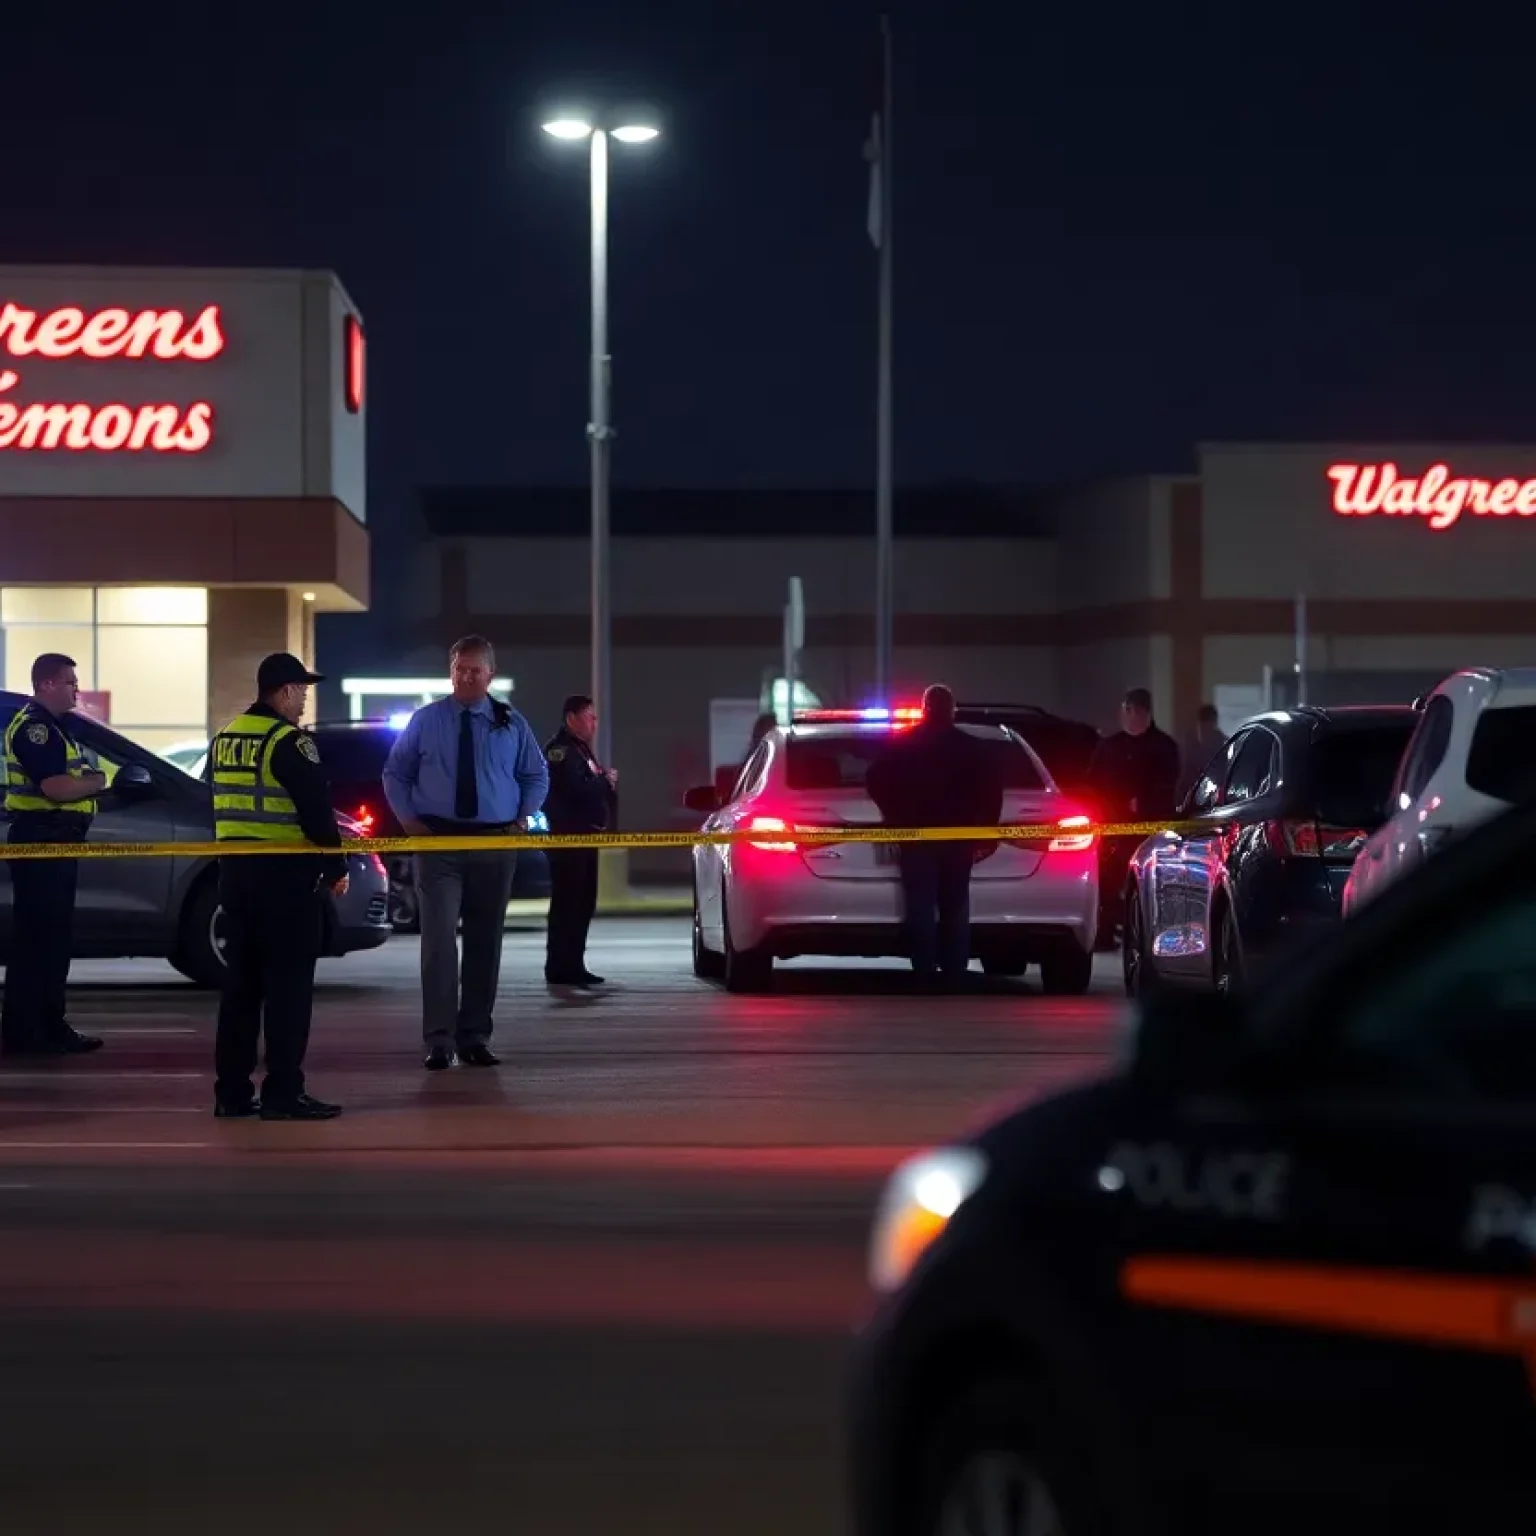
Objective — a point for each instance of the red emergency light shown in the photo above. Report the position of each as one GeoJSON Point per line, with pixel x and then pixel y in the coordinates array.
{"type": "Point", "coordinates": [874, 715]}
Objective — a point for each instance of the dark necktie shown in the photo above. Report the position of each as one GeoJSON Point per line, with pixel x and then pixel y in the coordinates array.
{"type": "Point", "coordinates": [466, 792]}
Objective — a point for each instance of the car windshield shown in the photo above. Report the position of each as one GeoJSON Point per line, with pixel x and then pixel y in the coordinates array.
{"type": "Point", "coordinates": [1502, 762]}
{"type": "Point", "coordinates": [841, 762]}
{"type": "Point", "coordinates": [1352, 773]}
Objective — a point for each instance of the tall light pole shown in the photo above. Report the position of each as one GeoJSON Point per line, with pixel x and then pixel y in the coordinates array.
{"type": "Point", "coordinates": [600, 421]}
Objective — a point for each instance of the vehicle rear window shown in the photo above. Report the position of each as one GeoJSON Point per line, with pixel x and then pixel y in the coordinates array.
{"type": "Point", "coordinates": [1352, 773]}
{"type": "Point", "coordinates": [355, 757]}
{"type": "Point", "coordinates": [841, 762]}
{"type": "Point", "coordinates": [1502, 762]}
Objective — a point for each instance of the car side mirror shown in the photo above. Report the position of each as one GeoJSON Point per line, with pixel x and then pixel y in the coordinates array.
{"type": "Point", "coordinates": [133, 782]}
{"type": "Point", "coordinates": [704, 799]}
{"type": "Point", "coordinates": [1186, 1041]}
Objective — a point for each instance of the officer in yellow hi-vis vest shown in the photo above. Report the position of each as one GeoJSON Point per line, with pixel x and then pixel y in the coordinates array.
{"type": "Point", "coordinates": [50, 797]}
{"type": "Point", "coordinates": [269, 787]}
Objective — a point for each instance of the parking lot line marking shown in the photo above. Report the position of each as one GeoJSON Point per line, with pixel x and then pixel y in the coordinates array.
{"type": "Point", "coordinates": [99, 1146]}
{"type": "Point", "coordinates": [105, 1109]}
{"type": "Point", "coordinates": [94, 1077]}
{"type": "Point", "coordinates": [111, 1033]}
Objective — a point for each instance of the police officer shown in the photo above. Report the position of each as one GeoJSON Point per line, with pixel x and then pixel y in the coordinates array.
{"type": "Point", "coordinates": [50, 797]}
{"type": "Point", "coordinates": [938, 775]}
{"type": "Point", "coordinates": [582, 798]}
{"type": "Point", "coordinates": [269, 787]}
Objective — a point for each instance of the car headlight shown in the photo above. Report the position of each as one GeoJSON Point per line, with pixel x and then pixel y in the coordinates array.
{"type": "Point", "coordinates": [919, 1201]}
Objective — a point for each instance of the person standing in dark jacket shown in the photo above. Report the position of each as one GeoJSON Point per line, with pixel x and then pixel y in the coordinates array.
{"type": "Point", "coordinates": [1134, 776]}
{"type": "Point", "coordinates": [938, 775]}
{"type": "Point", "coordinates": [270, 790]}
{"type": "Point", "coordinates": [582, 798]}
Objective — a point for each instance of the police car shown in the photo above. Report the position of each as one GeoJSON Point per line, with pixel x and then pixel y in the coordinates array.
{"type": "Point", "coordinates": [1274, 1274]}
{"type": "Point", "coordinates": [1032, 902]}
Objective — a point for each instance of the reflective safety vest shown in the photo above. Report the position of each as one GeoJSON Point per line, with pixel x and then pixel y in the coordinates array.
{"type": "Point", "coordinates": [248, 802]}
{"type": "Point", "coordinates": [21, 793]}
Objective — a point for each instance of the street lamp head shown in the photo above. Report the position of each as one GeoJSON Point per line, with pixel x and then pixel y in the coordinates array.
{"type": "Point", "coordinates": [635, 134]}
{"type": "Point", "coordinates": [568, 128]}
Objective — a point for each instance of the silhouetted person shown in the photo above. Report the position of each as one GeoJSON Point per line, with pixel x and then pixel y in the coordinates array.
{"type": "Point", "coordinates": [938, 775]}
{"type": "Point", "coordinates": [1202, 744]}
{"type": "Point", "coordinates": [1134, 776]}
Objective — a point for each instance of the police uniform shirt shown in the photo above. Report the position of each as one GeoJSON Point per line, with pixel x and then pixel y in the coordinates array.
{"type": "Point", "coordinates": [580, 797]}
{"type": "Point", "coordinates": [296, 767]}
{"type": "Point", "coordinates": [42, 746]}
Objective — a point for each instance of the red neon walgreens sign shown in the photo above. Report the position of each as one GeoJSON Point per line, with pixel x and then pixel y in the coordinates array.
{"type": "Point", "coordinates": [105, 336]}
{"type": "Point", "coordinates": [1438, 496]}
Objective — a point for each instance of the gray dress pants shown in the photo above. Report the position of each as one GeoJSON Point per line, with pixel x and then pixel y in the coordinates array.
{"type": "Point", "coordinates": [458, 998]}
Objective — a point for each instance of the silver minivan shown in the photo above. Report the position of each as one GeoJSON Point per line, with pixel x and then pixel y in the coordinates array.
{"type": "Point", "coordinates": [168, 907]}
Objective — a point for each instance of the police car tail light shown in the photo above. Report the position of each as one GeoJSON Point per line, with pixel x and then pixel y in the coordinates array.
{"type": "Point", "coordinates": [1076, 835]}
{"type": "Point", "coordinates": [918, 1203]}
{"type": "Point", "coordinates": [769, 824]}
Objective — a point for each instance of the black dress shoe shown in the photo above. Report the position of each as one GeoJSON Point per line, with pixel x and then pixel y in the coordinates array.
{"type": "Point", "coordinates": [301, 1108]}
{"type": "Point", "coordinates": [479, 1056]}
{"type": "Point", "coordinates": [589, 980]}
{"type": "Point", "coordinates": [245, 1111]}
{"type": "Point", "coordinates": [70, 1042]}
{"type": "Point", "coordinates": [439, 1059]}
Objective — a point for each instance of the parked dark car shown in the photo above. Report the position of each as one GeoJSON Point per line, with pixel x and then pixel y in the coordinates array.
{"type": "Point", "coordinates": [1278, 818]}
{"type": "Point", "coordinates": [354, 753]}
{"type": "Point", "coordinates": [1065, 746]}
{"type": "Point", "coordinates": [169, 907]}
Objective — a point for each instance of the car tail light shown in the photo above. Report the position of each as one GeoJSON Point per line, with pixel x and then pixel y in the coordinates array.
{"type": "Point", "coordinates": [1313, 840]}
{"type": "Point", "coordinates": [364, 819]}
{"type": "Point", "coordinates": [1078, 840]}
{"type": "Point", "coordinates": [769, 824]}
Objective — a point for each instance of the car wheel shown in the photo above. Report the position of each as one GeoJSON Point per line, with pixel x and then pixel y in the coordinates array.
{"type": "Point", "coordinates": [745, 970]}
{"type": "Point", "coordinates": [1135, 962]}
{"type": "Point", "coordinates": [991, 1467]}
{"type": "Point", "coordinates": [200, 946]}
{"type": "Point", "coordinates": [707, 965]}
{"type": "Point", "coordinates": [1067, 971]}
{"type": "Point", "coordinates": [1227, 962]}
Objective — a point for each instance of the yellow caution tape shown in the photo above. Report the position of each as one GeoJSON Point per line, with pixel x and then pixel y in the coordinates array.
{"type": "Point", "coordinates": [800, 836]}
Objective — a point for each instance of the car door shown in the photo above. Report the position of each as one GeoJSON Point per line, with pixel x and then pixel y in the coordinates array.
{"type": "Point", "coordinates": [1331, 1272]}
{"type": "Point", "coordinates": [709, 862]}
{"type": "Point", "coordinates": [1229, 873]}
{"type": "Point", "coordinates": [1180, 880]}
{"type": "Point", "coordinates": [1399, 843]}
{"type": "Point", "coordinates": [124, 902]}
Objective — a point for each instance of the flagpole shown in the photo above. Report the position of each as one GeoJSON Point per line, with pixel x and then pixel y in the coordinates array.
{"type": "Point", "coordinates": [884, 409]}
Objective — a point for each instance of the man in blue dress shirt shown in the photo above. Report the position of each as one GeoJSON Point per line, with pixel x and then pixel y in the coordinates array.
{"type": "Point", "coordinates": [467, 765]}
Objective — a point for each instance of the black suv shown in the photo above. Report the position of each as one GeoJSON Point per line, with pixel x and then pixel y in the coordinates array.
{"type": "Point", "coordinates": [354, 753]}
{"type": "Point", "coordinates": [1264, 846]}
{"type": "Point", "coordinates": [1066, 747]}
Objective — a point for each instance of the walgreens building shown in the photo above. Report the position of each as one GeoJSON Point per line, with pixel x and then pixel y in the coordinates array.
{"type": "Point", "coordinates": [182, 481]}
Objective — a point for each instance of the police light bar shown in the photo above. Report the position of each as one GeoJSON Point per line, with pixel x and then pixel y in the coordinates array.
{"type": "Point", "coordinates": [875, 715]}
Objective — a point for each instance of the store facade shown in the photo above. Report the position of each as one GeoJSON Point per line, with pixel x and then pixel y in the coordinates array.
{"type": "Point", "coordinates": [183, 481]}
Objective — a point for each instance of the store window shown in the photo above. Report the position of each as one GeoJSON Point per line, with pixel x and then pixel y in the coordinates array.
{"type": "Point", "coordinates": [143, 651]}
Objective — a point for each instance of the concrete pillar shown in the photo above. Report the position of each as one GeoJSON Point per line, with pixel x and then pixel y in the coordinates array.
{"type": "Point", "coordinates": [245, 624]}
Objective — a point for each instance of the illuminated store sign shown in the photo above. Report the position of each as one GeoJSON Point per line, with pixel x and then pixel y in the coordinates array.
{"type": "Point", "coordinates": [1438, 496]}
{"type": "Point", "coordinates": [112, 337]}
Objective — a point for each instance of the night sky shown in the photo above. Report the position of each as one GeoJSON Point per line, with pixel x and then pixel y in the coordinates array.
{"type": "Point", "coordinates": [1120, 230]}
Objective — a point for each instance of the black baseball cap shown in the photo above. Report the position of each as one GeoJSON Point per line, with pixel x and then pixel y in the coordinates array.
{"type": "Point", "coordinates": [280, 669]}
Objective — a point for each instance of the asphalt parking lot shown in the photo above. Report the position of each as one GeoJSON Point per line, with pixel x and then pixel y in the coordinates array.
{"type": "Point", "coordinates": [606, 1287]}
